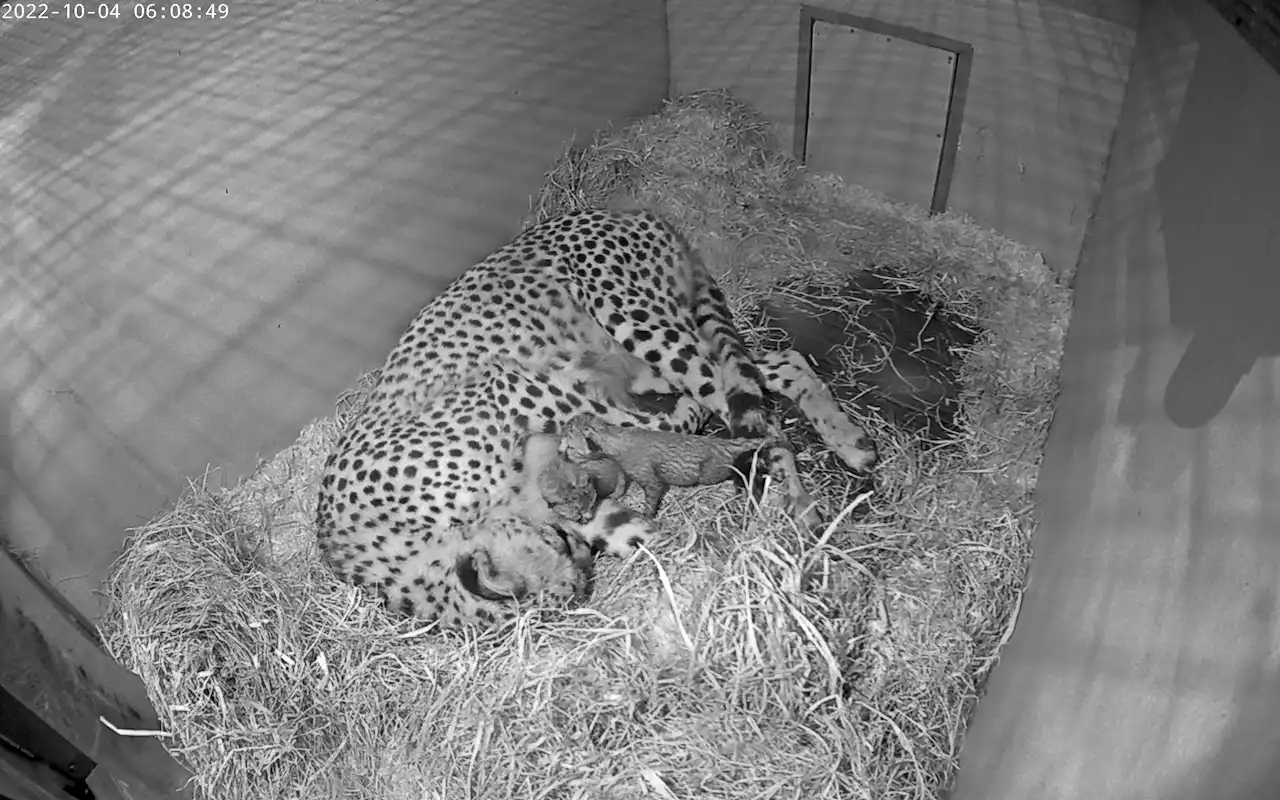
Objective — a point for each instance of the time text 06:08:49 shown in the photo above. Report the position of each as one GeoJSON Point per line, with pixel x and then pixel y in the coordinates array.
{"type": "Point", "coordinates": [34, 11]}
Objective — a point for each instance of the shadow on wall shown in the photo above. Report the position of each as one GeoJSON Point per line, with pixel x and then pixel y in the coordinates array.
{"type": "Point", "coordinates": [1143, 666]}
{"type": "Point", "coordinates": [1221, 239]}
{"type": "Point", "coordinates": [1223, 254]}
{"type": "Point", "coordinates": [1218, 189]}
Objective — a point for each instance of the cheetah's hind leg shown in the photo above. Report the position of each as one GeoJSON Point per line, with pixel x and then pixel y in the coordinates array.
{"type": "Point", "coordinates": [736, 376]}
{"type": "Point", "coordinates": [630, 383]}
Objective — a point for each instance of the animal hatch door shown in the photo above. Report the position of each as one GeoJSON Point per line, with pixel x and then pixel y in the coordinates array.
{"type": "Point", "coordinates": [878, 110]}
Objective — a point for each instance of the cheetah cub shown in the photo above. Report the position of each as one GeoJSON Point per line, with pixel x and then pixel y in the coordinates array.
{"type": "Point", "coordinates": [657, 460]}
{"type": "Point", "coordinates": [572, 490]}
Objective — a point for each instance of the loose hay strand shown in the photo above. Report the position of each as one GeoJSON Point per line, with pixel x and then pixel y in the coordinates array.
{"type": "Point", "coordinates": [743, 657]}
{"type": "Point", "coordinates": [671, 598]}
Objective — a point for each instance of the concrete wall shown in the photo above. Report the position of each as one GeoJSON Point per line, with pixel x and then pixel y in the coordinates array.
{"type": "Point", "coordinates": [1047, 84]}
{"type": "Point", "coordinates": [212, 227]}
{"type": "Point", "coordinates": [1146, 661]}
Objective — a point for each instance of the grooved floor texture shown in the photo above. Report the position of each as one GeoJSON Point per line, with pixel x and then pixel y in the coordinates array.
{"type": "Point", "coordinates": [1045, 94]}
{"type": "Point", "coordinates": [213, 226]}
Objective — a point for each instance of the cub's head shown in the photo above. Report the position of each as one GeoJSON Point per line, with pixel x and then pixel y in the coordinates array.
{"type": "Point", "coordinates": [578, 438]}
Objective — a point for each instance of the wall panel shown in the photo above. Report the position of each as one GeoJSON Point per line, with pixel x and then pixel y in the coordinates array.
{"type": "Point", "coordinates": [1146, 661]}
{"type": "Point", "coordinates": [1048, 80]}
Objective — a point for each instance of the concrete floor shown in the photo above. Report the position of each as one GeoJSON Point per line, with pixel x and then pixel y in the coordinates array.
{"type": "Point", "coordinates": [1146, 660]}
{"type": "Point", "coordinates": [215, 226]}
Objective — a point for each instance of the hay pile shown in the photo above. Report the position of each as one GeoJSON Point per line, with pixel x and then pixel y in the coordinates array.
{"type": "Point", "coordinates": [741, 658]}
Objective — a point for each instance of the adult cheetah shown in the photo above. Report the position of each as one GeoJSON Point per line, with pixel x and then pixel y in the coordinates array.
{"type": "Point", "coordinates": [430, 497]}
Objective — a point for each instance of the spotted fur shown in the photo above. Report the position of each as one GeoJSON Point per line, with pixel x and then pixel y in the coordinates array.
{"type": "Point", "coordinates": [430, 498]}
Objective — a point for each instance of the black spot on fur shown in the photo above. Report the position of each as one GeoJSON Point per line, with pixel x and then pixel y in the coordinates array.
{"type": "Point", "coordinates": [743, 466]}
{"type": "Point", "coordinates": [616, 519]}
{"type": "Point", "coordinates": [740, 405]}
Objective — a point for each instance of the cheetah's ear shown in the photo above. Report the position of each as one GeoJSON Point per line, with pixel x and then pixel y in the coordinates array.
{"type": "Point", "coordinates": [478, 576]}
{"type": "Point", "coordinates": [575, 547]}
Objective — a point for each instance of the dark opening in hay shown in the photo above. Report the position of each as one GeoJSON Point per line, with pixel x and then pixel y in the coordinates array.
{"type": "Point", "coordinates": [742, 657]}
{"type": "Point", "coordinates": [883, 348]}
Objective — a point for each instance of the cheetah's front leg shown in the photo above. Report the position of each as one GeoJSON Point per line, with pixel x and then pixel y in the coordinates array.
{"type": "Point", "coordinates": [616, 529]}
{"type": "Point", "coordinates": [788, 374]}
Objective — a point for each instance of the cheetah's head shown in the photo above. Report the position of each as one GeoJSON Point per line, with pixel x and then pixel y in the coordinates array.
{"type": "Point", "coordinates": [548, 561]}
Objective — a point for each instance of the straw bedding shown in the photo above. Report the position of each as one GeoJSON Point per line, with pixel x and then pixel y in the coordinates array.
{"type": "Point", "coordinates": [741, 658]}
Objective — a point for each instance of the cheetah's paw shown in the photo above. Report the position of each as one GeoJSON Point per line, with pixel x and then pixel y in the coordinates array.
{"type": "Point", "coordinates": [617, 530]}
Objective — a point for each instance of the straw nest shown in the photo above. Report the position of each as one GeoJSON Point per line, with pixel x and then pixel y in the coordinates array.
{"type": "Point", "coordinates": [741, 658]}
